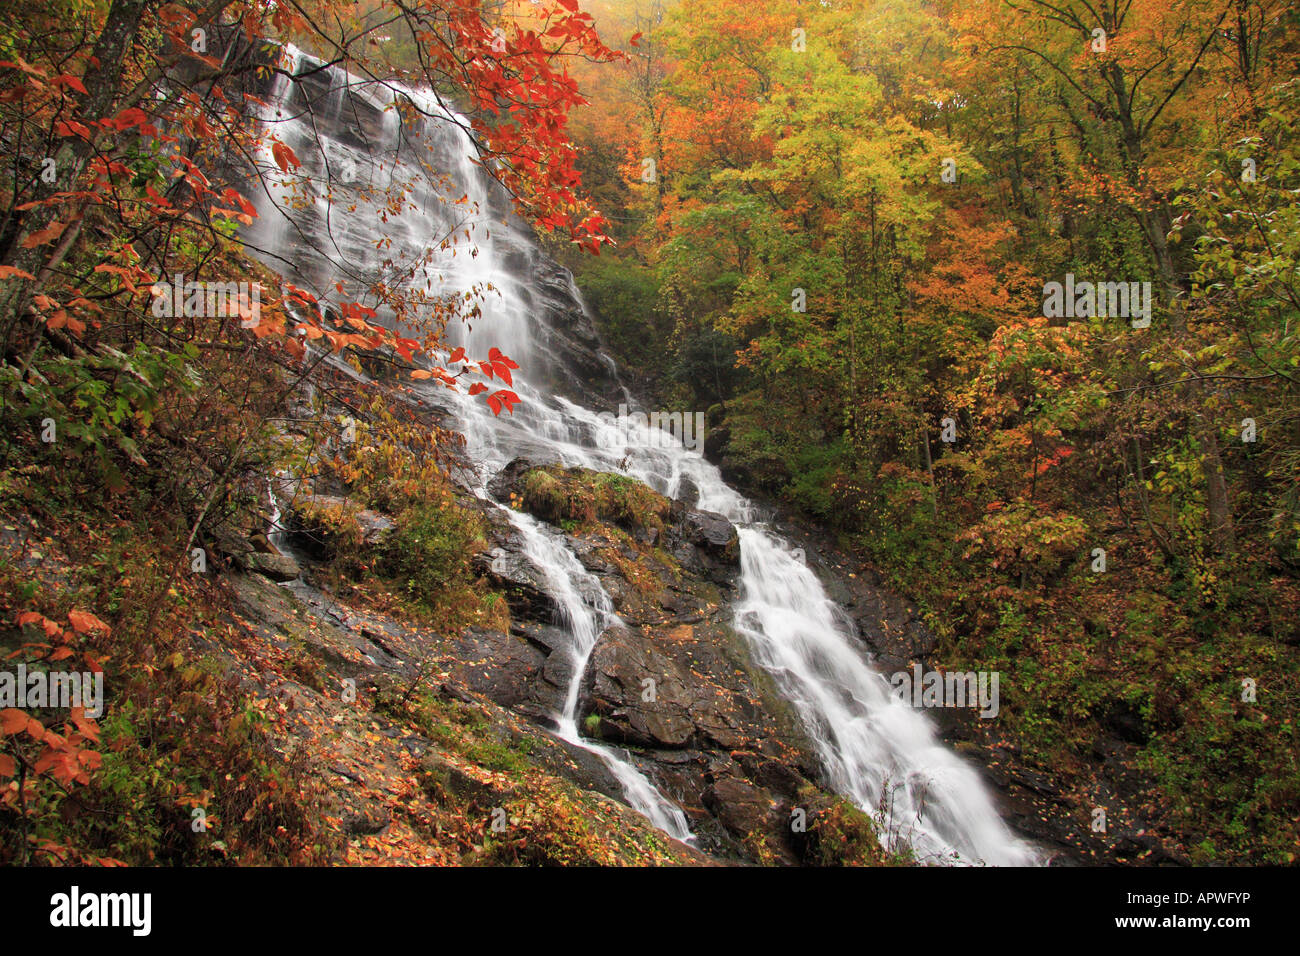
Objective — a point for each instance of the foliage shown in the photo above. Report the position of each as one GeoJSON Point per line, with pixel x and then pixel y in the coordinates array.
{"type": "Point", "coordinates": [895, 375]}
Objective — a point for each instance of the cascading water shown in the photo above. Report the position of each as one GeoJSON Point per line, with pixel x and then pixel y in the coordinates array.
{"type": "Point", "coordinates": [587, 611]}
{"type": "Point", "coordinates": [875, 749]}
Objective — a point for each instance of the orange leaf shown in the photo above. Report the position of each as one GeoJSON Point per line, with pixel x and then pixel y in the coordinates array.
{"type": "Point", "coordinates": [83, 622]}
{"type": "Point", "coordinates": [42, 236]}
{"type": "Point", "coordinates": [13, 721]}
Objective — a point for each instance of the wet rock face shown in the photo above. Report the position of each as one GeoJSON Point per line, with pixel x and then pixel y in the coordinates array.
{"type": "Point", "coordinates": [673, 684]}
{"type": "Point", "coordinates": [698, 718]}
{"type": "Point", "coordinates": [679, 686]}
{"type": "Point", "coordinates": [587, 373]}
{"type": "Point", "coordinates": [715, 543]}
{"type": "Point", "coordinates": [512, 663]}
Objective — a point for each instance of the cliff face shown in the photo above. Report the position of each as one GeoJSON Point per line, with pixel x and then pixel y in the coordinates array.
{"type": "Point", "coordinates": [380, 161]}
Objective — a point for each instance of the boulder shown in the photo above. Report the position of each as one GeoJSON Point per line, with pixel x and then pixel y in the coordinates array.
{"type": "Point", "coordinates": [688, 492]}
{"type": "Point", "coordinates": [277, 567]}
{"type": "Point", "coordinates": [715, 543]}
{"type": "Point", "coordinates": [681, 686]}
{"type": "Point", "coordinates": [743, 808]}
{"type": "Point", "coordinates": [503, 482]}
{"type": "Point", "coordinates": [320, 536]}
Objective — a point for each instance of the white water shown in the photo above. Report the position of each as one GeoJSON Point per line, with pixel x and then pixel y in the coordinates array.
{"type": "Point", "coordinates": [875, 749]}
{"type": "Point", "coordinates": [587, 611]}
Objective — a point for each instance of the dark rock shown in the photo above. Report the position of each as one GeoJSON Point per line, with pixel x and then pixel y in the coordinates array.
{"type": "Point", "coordinates": [366, 821]}
{"type": "Point", "coordinates": [743, 808]}
{"type": "Point", "coordinates": [545, 636]}
{"type": "Point", "coordinates": [503, 482]}
{"type": "Point", "coordinates": [701, 696]}
{"type": "Point", "coordinates": [890, 626]}
{"type": "Point", "coordinates": [277, 567]}
{"type": "Point", "coordinates": [688, 492]}
{"type": "Point", "coordinates": [523, 584]}
{"type": "Point", "coordinates": [714, 535]}
{"type": "Point", "coordinates": [498, 666]}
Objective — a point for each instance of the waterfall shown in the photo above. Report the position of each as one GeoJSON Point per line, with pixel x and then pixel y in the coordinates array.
{"type": "Point", "coordinates": [587, 611]}
{"type": "Point", "coordinates": [875, 749]}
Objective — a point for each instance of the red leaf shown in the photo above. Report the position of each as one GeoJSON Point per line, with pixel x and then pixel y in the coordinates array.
{"type": "Point", "coordinates": [131, 116]}
{"type": "Point", "coordinates": [71, 128]}
{"type": "Point", "coordinates": [507, 398]}
{"type": "Point", "coordinates": [70, 81]}
{"type": "Point", "coordinates": [284, 156]}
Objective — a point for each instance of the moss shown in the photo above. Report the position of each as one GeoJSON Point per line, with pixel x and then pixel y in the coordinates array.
{"type": "Point", "coordinates": [839, 834]}
{"type": "Point", "coordinates": [577, 497]}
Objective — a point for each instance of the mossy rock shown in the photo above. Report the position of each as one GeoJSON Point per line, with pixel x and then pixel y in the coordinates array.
{"type": "Point", "coordinates": [560, 496]}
